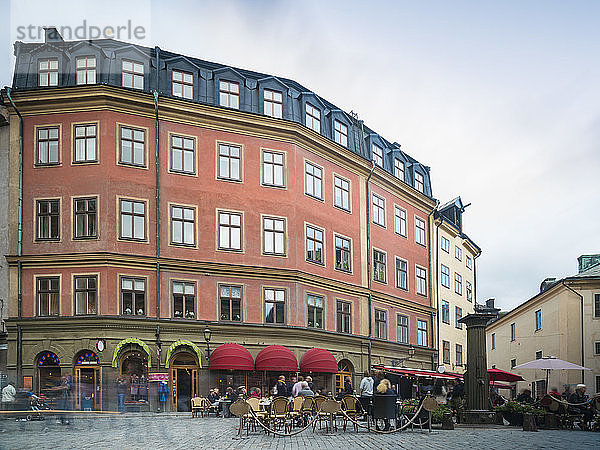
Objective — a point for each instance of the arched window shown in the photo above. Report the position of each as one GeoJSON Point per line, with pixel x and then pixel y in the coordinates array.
{"type": "Point", "coordinates": [48, 371]}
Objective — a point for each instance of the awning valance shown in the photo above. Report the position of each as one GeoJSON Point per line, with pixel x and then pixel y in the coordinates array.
{"type": "Point", "coordinates": [318, 360]}
{"type": "Point", "coordinates": [231, 356]}
{"type": "Point", "coordinates": [180, 343]}
{"type": "Point", "coordinates": [418, 373]}
{"type": "Point", "coordinates": [128, 341]}
{"type": "Point", "coordinates": [276, 358]}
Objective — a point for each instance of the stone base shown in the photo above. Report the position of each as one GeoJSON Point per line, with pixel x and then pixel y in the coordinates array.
{"type": "Point", "coordinates": [481, 417]}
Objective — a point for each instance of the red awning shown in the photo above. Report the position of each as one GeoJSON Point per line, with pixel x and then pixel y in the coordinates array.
{"type": "Point", "coordinates": [276, 358]}
{"type": "Point", "coordinates": [418, 373]}
{"type": "Point", "coordinates": [318, 360]}
{"type": "Point", "coordinates": [501, 375]}
{"type": "Point", "coordinates": [231, 356]}
{"type": "Point", "coordinates": [501, 385]}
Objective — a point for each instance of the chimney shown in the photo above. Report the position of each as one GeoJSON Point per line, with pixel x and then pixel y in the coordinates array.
{"type": "Point", "coordinates": [548, 282]}
{"type": "Point", "coordinates": [489, 303]}
{"type": "Point", "coordinates": [52, 35]}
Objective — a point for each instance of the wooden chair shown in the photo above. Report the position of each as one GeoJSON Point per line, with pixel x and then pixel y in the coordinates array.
{"type": "Point", "coordinates": [352, 408]}
{"type": "Point", "coordinates": [296, 407]}
{"type": "Point", "coordinates": [260, 414]}
{"type": "Point", "coordinates": [321, 415]}
{"type": "Point", "coordinates": [308, 409]}
{"type": "Point", "coordinates": [196, 406]}
{"type": "Point", "coordinates": [279, 413]}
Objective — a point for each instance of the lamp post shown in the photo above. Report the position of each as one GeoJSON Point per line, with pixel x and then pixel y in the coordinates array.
{"type": "Point", "coordinates": [411, 353]}
{"type": "Point", "coordinates": [207, 336]}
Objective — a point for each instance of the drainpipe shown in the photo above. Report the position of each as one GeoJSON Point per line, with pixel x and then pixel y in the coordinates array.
{"type": "Point", "coordinates": [437, 291]}
{"type": "Point", "coordinates": [157, 147]}
{"type": "Point", "coordinates": [433, 334]}
{"type": "Point", "coordinates": [19, 246]}
{"type": "Point", "coordinates": [582, 334]}
{"type": "Point", "coordinates": [370, 297]}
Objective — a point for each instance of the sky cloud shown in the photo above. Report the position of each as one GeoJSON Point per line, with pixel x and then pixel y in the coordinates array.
{"type": "Point", "coordinates": [499, 98]}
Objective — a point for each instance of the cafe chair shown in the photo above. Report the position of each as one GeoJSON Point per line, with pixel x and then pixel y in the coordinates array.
{"type": "Point", "coordinates": [197, 406]}
{"type": "Point", "coordinates": [279, 413]}
{"type": "Point", "coordinates": [296, 408]}
{"type": "Point", "coordinates": [352, 408]}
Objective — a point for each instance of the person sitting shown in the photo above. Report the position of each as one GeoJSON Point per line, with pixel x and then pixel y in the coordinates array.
{"type": "Point", "coordinates": [306, 391]}
{"type": "Point", "coordinates": [580, 405]}
{"type": "Point", "coordinates": [255, 393]}
{"type": "Point", "coordinates": [525, 397]}
{"type": "Point", "coordinates": [385, 388]}
{"type": "Point", "coordinates": [566, 392]}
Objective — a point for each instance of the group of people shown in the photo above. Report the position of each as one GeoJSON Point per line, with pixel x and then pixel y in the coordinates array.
{"type": "Point", "coordinates": [297, 386]}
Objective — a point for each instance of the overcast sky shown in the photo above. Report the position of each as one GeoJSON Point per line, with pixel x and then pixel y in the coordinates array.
{"type": "Point", "coordinates": [500, 99]}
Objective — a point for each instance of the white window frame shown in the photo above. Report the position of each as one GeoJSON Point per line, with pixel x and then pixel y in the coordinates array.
{"type": "Point", "coordinates": [377, 154]}
{"type": "Point", "coordinates": [274, 236]}
{"type": "Point", "coordinates": [340, 133]}
{"type": "Point", "coordinates": [313, 118]}
{"type": "Point", "coordinates": [378, 209]}
{"type": "Point", "coordinates": [273, 103]}
{"type": "Point", "coordinates": [133, 76]}
{"type": "Point", "coordinates": [182, 84]}
{"type": "Point", "coordinates": [229, 94]}
{"type": "Point", "coordinates": [420, 232]}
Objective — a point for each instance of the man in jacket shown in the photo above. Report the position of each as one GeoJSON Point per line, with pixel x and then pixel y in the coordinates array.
{"type": "Point", "coordinates": [579, 400]}
{"type": "Point", "coordinates": [366, 393]}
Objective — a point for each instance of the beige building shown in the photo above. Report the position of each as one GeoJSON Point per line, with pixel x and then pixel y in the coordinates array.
{"type": "Point", "coordinates": [455, 283]}
{"type": "Point", "coordinates": [4, 132]}
{"type": "Point", "coordinates": [563, 321]}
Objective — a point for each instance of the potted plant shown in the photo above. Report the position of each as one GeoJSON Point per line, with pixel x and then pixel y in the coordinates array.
{"type": "Point", "coordinates": [512, 411]}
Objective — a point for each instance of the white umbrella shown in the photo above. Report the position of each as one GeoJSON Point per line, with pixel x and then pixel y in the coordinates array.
{"type": "Point", "coordinates": [549, 363]}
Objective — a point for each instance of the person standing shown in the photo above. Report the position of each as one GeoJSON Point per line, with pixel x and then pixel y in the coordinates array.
{"type": "Point", "coordinates": [348, 390]}
{"type": "Point", "coordinates": [281, 387]}
{"type": "Point", "coordinates": [64, 403]}
{"type": "Point", "coordinates": [366, 393]}
{"type": "Point", "coordinates": [297, 387]}
{"type": "Point", "coordinates": [311, 385]}
{"type": "Point", "coordinates": [121, 392]}
{"type": "Point", "coordinates": [290, 386]}
{"type": "Point", "coordinates": [8, 396]}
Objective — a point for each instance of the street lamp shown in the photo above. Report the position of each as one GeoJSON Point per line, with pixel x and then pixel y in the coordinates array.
{"type": "Point", "coordinates": [411, 352]}
{"type": "Point", "coordinates": [207, 335]}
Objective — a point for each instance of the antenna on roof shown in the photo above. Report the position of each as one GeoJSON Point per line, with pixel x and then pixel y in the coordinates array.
{"type": "Point", "coordinates": [353, 115]}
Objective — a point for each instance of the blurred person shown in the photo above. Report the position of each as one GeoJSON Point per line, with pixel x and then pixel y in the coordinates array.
{"type": "Point", "coordinates": [385, 388]}
{"type": "Point", "coordinates": [365, 391]}
{"type": "Point", "coordinates": [297, 387]}
{"type": "Point", "coordinates": [8, 396]}
{"type": "Point", "coordinates": [306, 391]}
{"type": "Point", "coordinates": [311, 385]}
{"type": "Point", "coordinates": [281, 387]}
{"type": "Point", "coordinates": [579, 405]}
{"type": "Point", "coordinates": [121, 385]}
{"type": "Point", "coordinates": [525, 396]}
{"type": "Point", "coordinates": [290, 386]}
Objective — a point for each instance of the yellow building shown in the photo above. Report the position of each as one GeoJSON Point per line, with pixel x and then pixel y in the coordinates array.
{"type": "Point", "coordinates": [455, 283]}
{"type": "Point", "coordinates": [563, 321]}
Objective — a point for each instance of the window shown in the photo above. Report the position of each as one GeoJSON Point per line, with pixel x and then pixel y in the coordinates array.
{"type": "Point", "coordinates": [183, 225]}
{"type": "Point", "coordinates": [313, 180]}
{"type": "Point", "coordinates": [48, 72]}
{"type": "Point", "coordinates": [458, 253]}
{"type": "Point", "coordinates": [273, 236]}
{"type": "Point", "coordinates": [468, 262]}
{"type": "Point", "coordinates": [420, 231]}
{"type": "Point", "coordinates": [273, 167]}
{"type": "Point", "coordinates": [597, 383]}
{"type": "Point", "coordinates": [421, 281]}
{"type": "Point", "coordinates": [445, 245]}
{"type": "Point", "coordinates": [231, 302]}
{"type": "Point", "coordinates": [274, 306]}
{"type": "Point", "coordinates": [315, 311]}
{"type": "Point", "coordinates": [182, 155]}
{"type": "Point", "coordinates": [183, 84]}
{"type": "Point", "coordinates": [85, 219]}
{"type": "Point", "coordinates": [230, 231]}
{"type": "Point", "coordinates": [48, 219]}
{"type": "Point", "coordinates": [133, 296]}
{"type": "Point", "coordinates": [458, 283]}
{"type": "Point", "coordinates": [493, 341]}
{"type": "Point", "coordinates": [445, 280]}
{"type": "Point", "coordinates": [86, 70]}
{"type": "Point", "coordinates": [343, 257]}
{"type": "Point", "coordinates": [341, 193]}
{"type": "Point", "coordinates": [381, 324]}
{"type": "Point", "coordinates": [596, 305]}
{"type": "Point", "coordinates": [538, 320]}
{"type": "Point", "coordinates": [86, 292]}
{"type": "Point", "coordinates": [48, 296]}
{"type": "Point", "coordinates": [313, 118]}
{"type": "Point", "coordinates": [400, 221]}
{"type": "Point", "coordinates": [596, 348]}
{"type": "Point", "coordinates": [399, 169]}
{"type": "Point", "coordinates": [538, 354]}
{"type": "Point", "coordinates": [379, 268]}
{"type": "Point", "coordinates": [85, 141]}
{"type": "Point", "coordinates": [133, 220]}
{"type": "Point", "coordinates": [419, 185]}
{"type": "Point", "coordinates": [458, 316]}
{"type": "Point", "coordinates": [340, 133]}
{"type": "Point", "coordinates": [229, 94]}
{"type": "Point", "coordinates": [513, 331]}
{"type": "Point", "coordinates": [446, 352]}
{"type": "Point", "coordinates": [513, 363]}
{"type": "Point", "coordinates": [132, 74]}
{"type": "Point", "coordinates": [184, 299]}
{"type": "Point", "coordinates": [402, 328]}
{"type": "Point", "coordinates": [314, 245]}
{"type": "Point", "coordinates": [459, 355]}
{"type": "Point", "coordinates": [469, 289]}
{"type": "Point", "coordinates": [378, 210]}
{"type": "Point", "coordinates": [401, 274]}
{"type": "Point", "coordinates": [48, 145]}
{"type": "Point", "coordinates": [422, 332]}
{"type": "Point", "coordinates": [272, 103]}
{"type": "Point", "coordinates": [133, 147]}
{"type": "Point", "coordinates": [377, 155]}
{"type": "Point", "coordinates": [344, 317]}
{"type": "Point", "coordinates": [445, 311]}
{"type": "Point", "coordinates": [230, 157]}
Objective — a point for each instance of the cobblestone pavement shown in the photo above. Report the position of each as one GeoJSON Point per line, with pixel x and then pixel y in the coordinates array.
{"type": "Point", "coordinates": [176, 431]}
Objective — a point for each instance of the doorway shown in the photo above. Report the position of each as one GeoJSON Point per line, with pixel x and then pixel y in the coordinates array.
{"type": "Point", "coordinates": [88, 385]}
{"type": "Point", "coordinates": [184, 381]}
{"type": "Point", "coordinates": [345, 370]}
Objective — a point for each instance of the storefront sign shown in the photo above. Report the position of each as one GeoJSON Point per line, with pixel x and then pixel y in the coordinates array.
{"type": "Point", "coordinates": [158, 377]}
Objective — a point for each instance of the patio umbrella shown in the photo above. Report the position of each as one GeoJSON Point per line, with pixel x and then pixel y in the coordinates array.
{"type": "Point", "coordinates": [502, 375]}
{"type": "Point", "coordinates": [549, 363]}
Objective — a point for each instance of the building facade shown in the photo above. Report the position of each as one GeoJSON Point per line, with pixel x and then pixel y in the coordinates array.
{"type": "Point", "coordinates": [562, 321]}
{"type": "Point", "coordinates": [162, 195]}
{"type": "Point", "coordinates": [4, 250]}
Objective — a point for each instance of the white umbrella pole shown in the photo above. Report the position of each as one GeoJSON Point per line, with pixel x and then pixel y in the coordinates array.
{"type": "Point", "coordinates": [547, 375]}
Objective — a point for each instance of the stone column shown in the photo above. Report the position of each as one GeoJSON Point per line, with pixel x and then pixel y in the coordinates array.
{"type": "Point", "coordinates": [477, 382]}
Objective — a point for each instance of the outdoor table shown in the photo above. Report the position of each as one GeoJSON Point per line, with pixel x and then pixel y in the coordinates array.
{"type": "Point", "coordinates": [225, 404]}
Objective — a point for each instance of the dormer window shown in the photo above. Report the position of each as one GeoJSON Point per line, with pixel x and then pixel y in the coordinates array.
{"type": "Point", "coordinates": [340, 133]}
{"type": "Point", "coordinates": [273, 103]}
{"type": "Point", "coordinates": [132, 74]}
{"type": "Point", "coordinates": [399, 169]}
{"type": "Point", "coordinates": [377, 155]}
{"type": "Point", "coordinates": [48, 72]}
{"type": "Point", "coordinates": [419, 184]}
{"type": "Point", "coordinates": [86, 70]}
{"type": "Point", "coordinates": [229, 94]}
{"type": "Point", "coordinates": [313, 118]}
{"type": "Point", "coordinates": [183, 84]}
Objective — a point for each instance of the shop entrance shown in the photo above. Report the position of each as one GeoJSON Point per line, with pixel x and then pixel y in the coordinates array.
{"type": "Point", "coordinates": [184, 381]}
{"type": "Point", "coordinates": [345, 370]}
{"type": "Point", "coordinates": [134, 370]}
{"type": "Point", "coordinates": [88, 382]}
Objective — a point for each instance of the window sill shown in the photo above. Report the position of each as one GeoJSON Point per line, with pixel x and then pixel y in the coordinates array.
{"type": "Point", "coordinates": [348, 211]}
{"type": "Point", "coordinates": [41, 165]}
{"type": "Point", "coordinates": [133, 166]}
{"type": "Point", "coordinates": [379, 281]}
{"type": "Point", "coordinates": [314, 197]}
{"type": "Point", "coordinates": [230, 180]}
{"type": "Point", "coordinates": [187, 174]}
{"type": "Point", "coordinates": [349, 272]}
{"type": "Point", "coordinates": [182, 245]}
{"type": "Point", "coordinates": [85, 238]}
{"type": "Point", "coordinates": [83, 163]}
{"type": "Point", "coordinates": [274, 186]}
